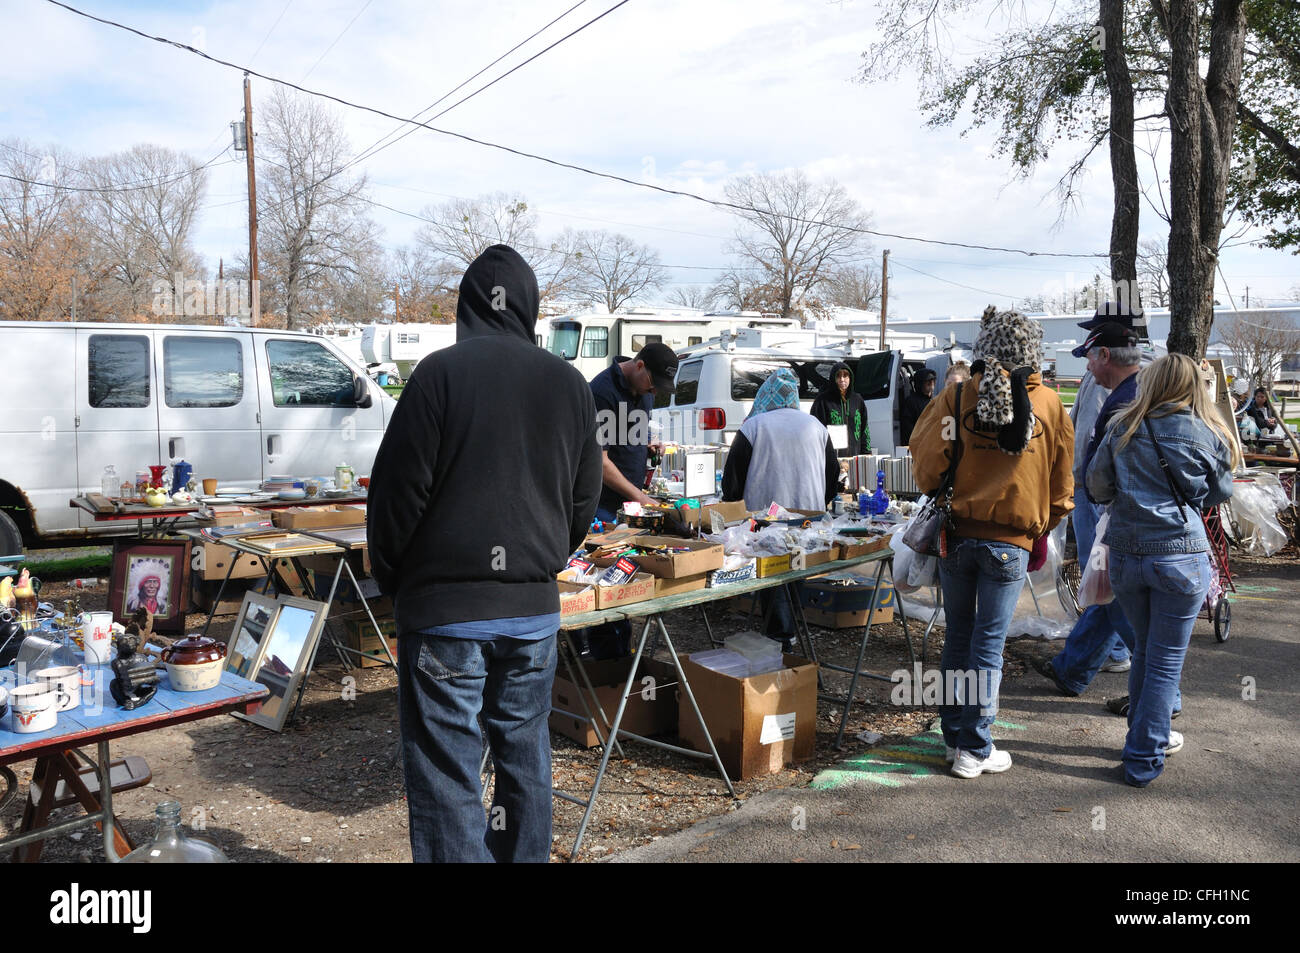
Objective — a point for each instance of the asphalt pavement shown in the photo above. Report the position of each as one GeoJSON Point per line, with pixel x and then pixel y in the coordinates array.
{"type": "Point", "coordinates": [1229, 795]}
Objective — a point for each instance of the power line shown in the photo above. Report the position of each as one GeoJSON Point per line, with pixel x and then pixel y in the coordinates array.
{"type": "Point", "coordinates": [336, 39]}
{"type": "Point", "coordinates": [283, 11]}
{"type": "Point", "coordinates": [996, 294]}
{"type": "Point", "coordinates": [136, 187]}
{"type": "Point", "coordinates": [717, 203]}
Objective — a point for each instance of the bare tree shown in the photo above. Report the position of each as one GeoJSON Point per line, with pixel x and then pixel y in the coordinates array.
{"type": "Point", "coordinates": [797, 233]}
{"type": "Point", "coordinates": [141, 222]}
{"type": "Point", "coordinates": [314, 223]}
{"type": "Point", "coordinates": [462, 229]}
{"type": "Point", "coordinates": [419, 286]}
{"type": "Point", "coordinates": [738, 289]}
{"type": "Point", "coordinates": [612, 270]}
{"type": "Point", "coordinates": [1258, 348]}
{"type": "Point", "coordinates": [855, 286]}
{"type": "Point", "coordinates": [1153, 272]}
{"type": "Point", "coordinates": [42, 243]}
{"type": "Point", "coordinates": [698, 297]}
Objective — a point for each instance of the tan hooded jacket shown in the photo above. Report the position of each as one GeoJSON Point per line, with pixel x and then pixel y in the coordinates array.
{"type": "Point", "coordinates": [1011, 498]}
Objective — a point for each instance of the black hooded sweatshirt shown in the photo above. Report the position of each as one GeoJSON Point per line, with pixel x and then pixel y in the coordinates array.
{"type": "Point", "coordinates": [489, 471]}
{"type": "Point", "coordinates": [831, 409]}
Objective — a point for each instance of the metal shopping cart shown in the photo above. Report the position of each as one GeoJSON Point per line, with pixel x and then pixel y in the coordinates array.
{"type": "Point", "coordinates": [1218, 610]}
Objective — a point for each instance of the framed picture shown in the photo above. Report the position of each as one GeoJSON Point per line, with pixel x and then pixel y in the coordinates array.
{"type": "Point", "coordinates": [154, 574]}
{"type": "Point", "coordinates": [251, 625]}
{"type": "Point", "coordinates": [284, 652]}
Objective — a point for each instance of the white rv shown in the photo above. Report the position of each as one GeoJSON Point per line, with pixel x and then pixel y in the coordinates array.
{"type": "Point", "coordinates": [592, 341]}
{"type": "Point", "coordinates": [240, 404]}
{"type": "Point", "coordinates": [404, 345]}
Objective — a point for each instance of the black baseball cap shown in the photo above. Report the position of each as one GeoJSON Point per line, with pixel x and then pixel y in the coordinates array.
{"type": "Point", "coordinates": [661, 361]}
{"type": "Point", "coordinates": [1114, 312]}
{"type": "Point", "coordinates": [1109, 334]}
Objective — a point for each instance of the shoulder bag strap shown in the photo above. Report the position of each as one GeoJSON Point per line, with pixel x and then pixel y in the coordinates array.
{"type": "Point", "coordinates": [950, 478]}
{"type": "Point", "coordinates": [1179, 498]}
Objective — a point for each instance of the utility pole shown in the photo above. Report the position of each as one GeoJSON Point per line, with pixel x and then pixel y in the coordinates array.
{"type": "Point", "coordinates": [254, 290]}
{"type": "Point", "coordinates": [1248, 296]}
{"type": "Point", "coordinates": [884, 295]}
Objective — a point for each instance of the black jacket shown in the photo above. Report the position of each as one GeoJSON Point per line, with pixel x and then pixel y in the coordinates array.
{"type": "Point", "coordinates": [488, 474]}
{"type": "Point", "coordinates": [831, 409]}
{"type": "Point", "coordinates": [914, 405]}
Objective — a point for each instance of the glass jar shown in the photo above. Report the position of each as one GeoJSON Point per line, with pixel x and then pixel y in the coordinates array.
{"type": "Point", "coordinates": [141, 483]}
{"type": "Point", "coordinates": [108, 484]}
{"type": "Point", "coordinates": [171, 845]}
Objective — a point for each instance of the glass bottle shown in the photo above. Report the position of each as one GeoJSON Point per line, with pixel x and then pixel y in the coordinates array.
{"type": "Point", "coordinates": [880, 500]}
{"type": "Point", "coordinates": [108, 484]}
{"type": "Point", "coordinates": [171, 845]}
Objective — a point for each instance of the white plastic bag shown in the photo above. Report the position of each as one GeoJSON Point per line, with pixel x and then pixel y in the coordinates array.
{"type": "Point", "coordinates": [1254, 511]}
{"type": "Point", "coordinates": [1095, 589]}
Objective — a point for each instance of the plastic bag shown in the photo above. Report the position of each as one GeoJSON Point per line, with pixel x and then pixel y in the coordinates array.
{"type": "Point", "coordinates": [1095, 588]}
{"type": "Point", "coordinates": [1254, 513]}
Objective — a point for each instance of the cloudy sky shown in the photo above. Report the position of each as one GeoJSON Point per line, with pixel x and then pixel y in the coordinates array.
{"type": "Point", "coordinates": [676, 93]}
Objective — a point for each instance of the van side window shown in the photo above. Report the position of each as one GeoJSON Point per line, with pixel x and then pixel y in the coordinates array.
{"type": "Point", "coordinates": [641, 340]}
{"type": "Point", "coordinates": [202, 372]}
{"type": "Point", "coordinates": [747, 376]}
{"type": "Point", "coordinates": [118, 368]}
{"type": "Point", "coordinates": [595, 342]}
{"type": "Point", "coordinates": [305, 374]}
{"type": "Point", "coordinates": [688, 382]}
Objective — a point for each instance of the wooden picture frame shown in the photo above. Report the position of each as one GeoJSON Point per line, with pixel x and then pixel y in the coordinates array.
{"type": "Point", "coordinates": [285, 652]}
{"type": "Point", "coordinates": [154, 573]}
{"type": "Point", "coordinates": [256, 617]}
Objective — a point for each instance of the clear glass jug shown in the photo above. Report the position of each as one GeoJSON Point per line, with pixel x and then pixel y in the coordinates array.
{"type": "Point", "coordinates": [171, 845]}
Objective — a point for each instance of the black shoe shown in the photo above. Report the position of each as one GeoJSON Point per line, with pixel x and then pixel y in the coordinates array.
{"type": "Point", "coordinates": [1044, 668]}
{"type": "Point", "coordinates": [1119, 706]}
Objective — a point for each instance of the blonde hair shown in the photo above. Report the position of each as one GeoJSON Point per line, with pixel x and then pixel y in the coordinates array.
{"type": "Point", "coordinates": [1166, 386]}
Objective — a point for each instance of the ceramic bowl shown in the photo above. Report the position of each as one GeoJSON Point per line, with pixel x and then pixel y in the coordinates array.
{"type": "Point", "coordinates": [293, 494]}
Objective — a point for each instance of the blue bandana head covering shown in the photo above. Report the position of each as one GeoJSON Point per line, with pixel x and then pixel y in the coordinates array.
{"type": "Point", "coordinates": [781, 389]}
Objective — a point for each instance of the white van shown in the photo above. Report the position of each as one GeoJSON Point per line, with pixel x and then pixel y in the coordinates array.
{"type": "Point", "coordinates": [239, 404]}
{"type": "Point", "coordinates": [716, 386]}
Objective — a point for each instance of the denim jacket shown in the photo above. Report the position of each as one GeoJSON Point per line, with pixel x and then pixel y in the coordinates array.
{"type": "Point", "coordinates": [1144, 517]}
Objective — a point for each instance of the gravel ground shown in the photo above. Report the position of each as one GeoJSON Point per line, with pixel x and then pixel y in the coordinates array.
{"type": "Point", "coordinates": [329, 789]}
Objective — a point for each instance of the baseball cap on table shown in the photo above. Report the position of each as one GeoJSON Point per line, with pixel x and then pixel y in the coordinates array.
{"type": "Point", "coordinates": [1117, 312]}
{"type": "Point", "coordinates": [1109, 334]}
{"type": "Point", "coordinates": [661, 362]}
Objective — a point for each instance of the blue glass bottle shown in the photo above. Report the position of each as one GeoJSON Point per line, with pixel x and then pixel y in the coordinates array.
{"type": "Point", "coordinates": [879, 499]}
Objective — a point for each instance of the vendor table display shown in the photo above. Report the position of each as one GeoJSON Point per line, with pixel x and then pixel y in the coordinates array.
{"type": "Point", "coordinates": [58, 779]}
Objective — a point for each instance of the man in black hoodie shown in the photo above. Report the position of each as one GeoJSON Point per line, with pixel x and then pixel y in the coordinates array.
{"type": "Point", "coordinates": [840, 406]}
{"type": "Point", "coordinates": [487, 478]}
{"type": "Point", "coordinates": [915, 403]}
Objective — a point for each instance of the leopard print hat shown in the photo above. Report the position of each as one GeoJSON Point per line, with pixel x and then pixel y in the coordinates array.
{"type": "Point", "coordinates": [1012, 342]}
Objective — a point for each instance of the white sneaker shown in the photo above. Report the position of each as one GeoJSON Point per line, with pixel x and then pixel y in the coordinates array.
{"type": "Point", "coordinates": [1175, 743]}
{"type": "Point", "coordinates": [1123, 666]}
{"type": "Point", "coordinates": [967, 765]}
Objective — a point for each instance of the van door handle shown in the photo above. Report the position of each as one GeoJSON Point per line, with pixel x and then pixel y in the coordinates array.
{"type": "Point", "coordinates": [273, 445]}
{"type": "Point", "coordinates": [176, 447]}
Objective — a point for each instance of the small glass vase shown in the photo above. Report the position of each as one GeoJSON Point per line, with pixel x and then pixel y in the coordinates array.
{"type": "Point", "coordinates": [171, 845]}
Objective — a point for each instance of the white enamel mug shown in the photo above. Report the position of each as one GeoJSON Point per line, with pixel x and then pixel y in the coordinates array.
{"type": "Point", "coordinates": [97, 637]}
{"type": "Point", "coordinates": [32, 708]}
{"type": "Point", "coordinates": [65, 682]}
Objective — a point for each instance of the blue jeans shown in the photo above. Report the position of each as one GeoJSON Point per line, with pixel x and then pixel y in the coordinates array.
{"type": "Point", "coordinates": [1162, 595]}
{"type": "Point", "coordinates": [443, 687]}
{"type": "Point", "coordinates": [981, 582]}
{"type": "Point", "coordinates": [1102, 633]}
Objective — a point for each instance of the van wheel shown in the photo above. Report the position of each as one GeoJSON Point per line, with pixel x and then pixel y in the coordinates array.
{"type": "Point", "coordinates": [11, 538]}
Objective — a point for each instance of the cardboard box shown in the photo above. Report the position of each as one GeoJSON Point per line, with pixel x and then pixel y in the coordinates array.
{"type": "Point", "coordinates": [840, 607]}
{"type": "Point", "coordinates": [245, 514]}
{"type": "Point", "coordinates": [637, 589]}
{"type": "Point", "coordinates": [651, 709]}
{"type": "Point", "coordinates": [210, 560]}
{"type": "Point", "coordinates": [759, 724]}
{"type": "Point", "coordinates": [346, 593]}
{"type": "Point", "coordinates": [724, 577]}
{"type": "Point", "coordinates": [772, 565]}
{"type": "Point", "coordinates": [732, 512]}
{"type": "Point", "coordinates": [818, 557]}
{"type": "Point", "coordinates": [702, 557]}
{"type": "Point", "coordinates": [318, 517]}
{"type": "Point", "coordinates": [672, 587]}
{"type": "Point", "coordinates": [620, 534]}
{"type": "Point", "coordinates": [575, 599]}
{"type": "Point", "coordinates": [867, 546]}
{"type": "Point", "coordinates": [361, 636]}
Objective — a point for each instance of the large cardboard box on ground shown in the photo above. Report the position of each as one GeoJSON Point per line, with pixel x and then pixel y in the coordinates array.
{"type": "Point", "coordinates": [361, 636]}
{"type": "Point", "coordinates": [759, 724]}
{"type": "Point", "coordinates": [702, 557]}
{"type": "Point", "coordinates": [651, 707]}
{"type": "Point", "coordinates": [319, 517]}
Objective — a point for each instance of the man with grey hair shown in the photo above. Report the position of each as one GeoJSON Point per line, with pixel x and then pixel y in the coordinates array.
{"type": "Point", "coordinates": [1114, 359]}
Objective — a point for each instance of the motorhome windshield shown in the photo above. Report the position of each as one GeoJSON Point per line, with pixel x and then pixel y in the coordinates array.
{"type": "Point", "coordinates": [564, 339]}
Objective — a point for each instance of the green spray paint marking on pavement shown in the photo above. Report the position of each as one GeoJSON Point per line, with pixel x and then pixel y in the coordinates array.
{"type": "Point", "coordinates": [917, 757]}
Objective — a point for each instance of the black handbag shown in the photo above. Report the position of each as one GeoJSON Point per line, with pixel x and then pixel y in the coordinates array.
{"type": "Point", "coordinates": [923, 530]}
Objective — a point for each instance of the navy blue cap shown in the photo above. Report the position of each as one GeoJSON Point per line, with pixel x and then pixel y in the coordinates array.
{"type": "Point", "coordinates": [1108, 334]}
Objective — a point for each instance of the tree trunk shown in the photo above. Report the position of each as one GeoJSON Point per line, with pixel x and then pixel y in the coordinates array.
{"type": "Point", "coordinates": [1123, 162]}
{"type": "Point", "coordinates": [1202, 120]}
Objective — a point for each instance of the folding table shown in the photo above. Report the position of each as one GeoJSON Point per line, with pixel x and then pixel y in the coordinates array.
{"type": "Point", "coordinates": [98, 721]}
